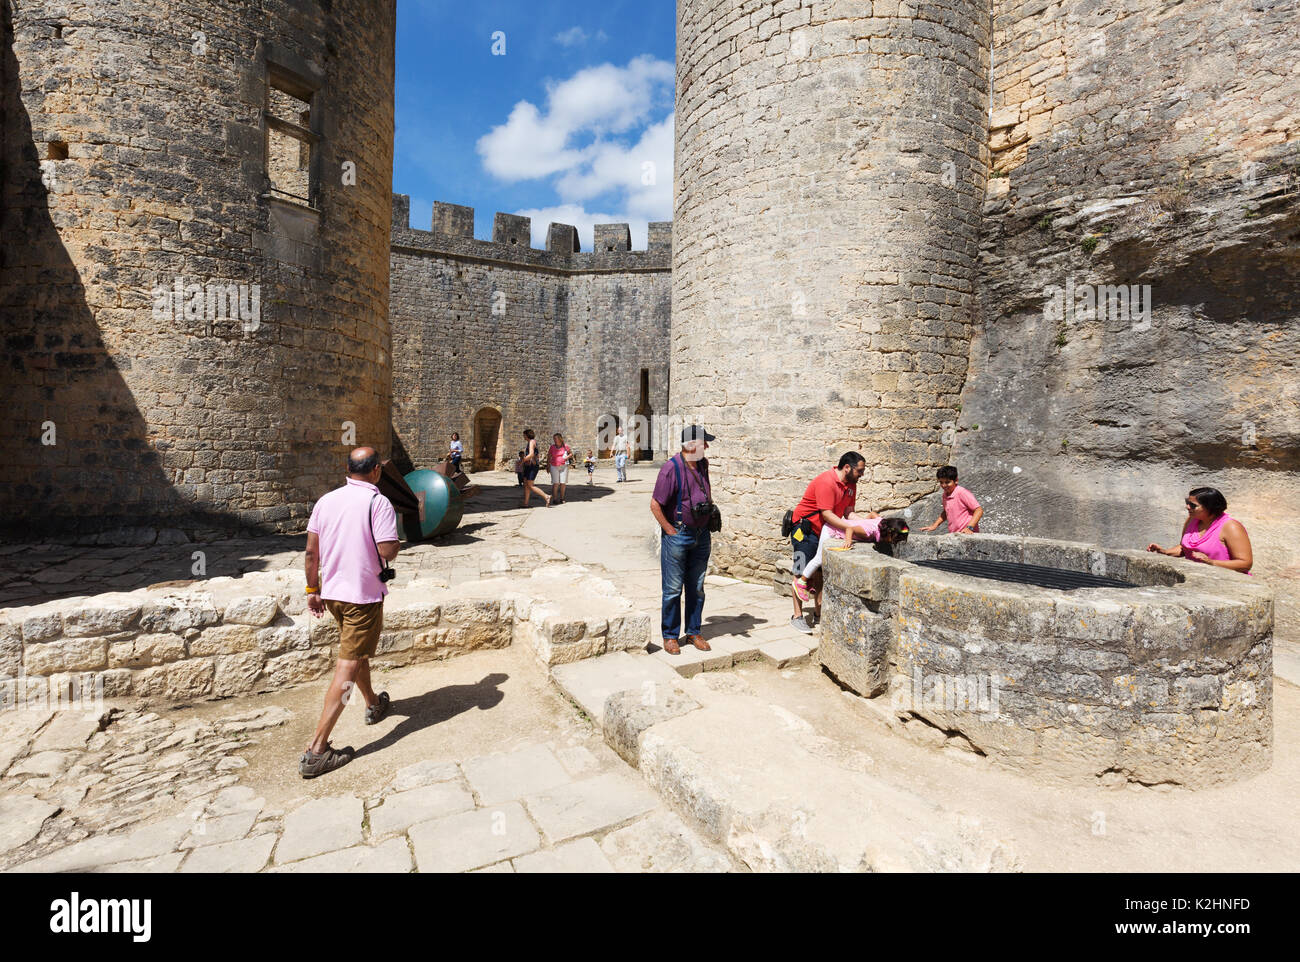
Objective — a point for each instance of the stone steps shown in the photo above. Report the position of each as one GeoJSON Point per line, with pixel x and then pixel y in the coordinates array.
{"type": "Point", "coordinates": [758, 780]}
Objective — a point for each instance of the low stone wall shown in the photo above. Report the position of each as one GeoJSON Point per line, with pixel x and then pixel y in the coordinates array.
{"type": "Point", "coordinates": [1168, 682]}
{"type": "Point", "coordinates": [226, 637]}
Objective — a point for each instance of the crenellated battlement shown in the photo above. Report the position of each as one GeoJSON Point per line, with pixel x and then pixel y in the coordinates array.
{"type": "Point", "coordinates": [451, 233]}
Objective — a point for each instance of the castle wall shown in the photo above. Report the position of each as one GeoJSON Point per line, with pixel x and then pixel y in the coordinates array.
{"type": "Point", "coordinates": [135, 161]}
{"type": "Point", "coordinates": [551, 339]}
{"type": "Point", "coordinates": [1144, 145]}
{"type": "Point", "coordinates": [829, 173]}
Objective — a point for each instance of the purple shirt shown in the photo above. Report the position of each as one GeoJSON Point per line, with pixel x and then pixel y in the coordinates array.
{"type": "Point", "coordinates": [349, 559]}
{"type": "Point", "coordinates": [697, 489]}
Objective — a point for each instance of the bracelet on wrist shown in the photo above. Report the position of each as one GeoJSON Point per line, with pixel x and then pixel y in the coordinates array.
{"type": "Point", "coordinates": [312, 591]}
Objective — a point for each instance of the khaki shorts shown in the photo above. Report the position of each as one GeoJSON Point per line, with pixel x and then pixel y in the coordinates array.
{"type": "Point", "coordinates": [359, 627]}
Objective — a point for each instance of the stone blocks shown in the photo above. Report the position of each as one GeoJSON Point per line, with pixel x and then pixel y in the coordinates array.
{"type": "Point", "coordinates": [1166, 681]}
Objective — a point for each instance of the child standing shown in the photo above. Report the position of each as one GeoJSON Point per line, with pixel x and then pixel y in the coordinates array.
{"type": "Point", "coordinates": [591, 465]}
{"type": "Point", "coordinates": [960, 509]}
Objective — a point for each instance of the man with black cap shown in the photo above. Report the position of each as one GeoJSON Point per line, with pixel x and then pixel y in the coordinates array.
{"type": "Point", "coordinates": [682, 503]}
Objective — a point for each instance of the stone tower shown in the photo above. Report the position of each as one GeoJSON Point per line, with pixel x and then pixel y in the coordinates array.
{"type": "Point", "coordinates": [194, 273]}
{"type": "Point", "coordinates": [830, 169]}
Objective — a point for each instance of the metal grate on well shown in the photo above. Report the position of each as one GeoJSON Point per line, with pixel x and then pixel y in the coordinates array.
{"type": "Point", "coordinates": [1024, 574]}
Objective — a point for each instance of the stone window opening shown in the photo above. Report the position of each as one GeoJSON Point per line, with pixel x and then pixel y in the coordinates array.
{"type": "Point", "coordinates": [56, 150]}
{"type": "Point", "coordinates": [292, 144]}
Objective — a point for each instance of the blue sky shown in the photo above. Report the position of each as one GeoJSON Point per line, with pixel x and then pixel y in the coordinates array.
{"type": "Point", "coordinates": [573, 123]}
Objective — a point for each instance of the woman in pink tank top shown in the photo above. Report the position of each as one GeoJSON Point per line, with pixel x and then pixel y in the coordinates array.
{"type": "Point", "coordinates": [1210, 535]}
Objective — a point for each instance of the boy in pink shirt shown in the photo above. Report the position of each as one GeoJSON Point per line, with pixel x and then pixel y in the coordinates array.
{"type": "Point", "coordinates": [960, 509]}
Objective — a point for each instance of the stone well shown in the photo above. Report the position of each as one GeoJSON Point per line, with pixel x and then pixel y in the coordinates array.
{"type": "Point", "coordinates": [1167, 680]}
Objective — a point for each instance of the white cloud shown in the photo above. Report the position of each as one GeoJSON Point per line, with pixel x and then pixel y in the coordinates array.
{"type": "Point", "coordinates": [600, 100]}
{"type": "Point", "coordinates": [577, 216]}
{"type": "Point", "coordinates": [582, 139]}
{"type": "Point", "coordinates": [577, 37]}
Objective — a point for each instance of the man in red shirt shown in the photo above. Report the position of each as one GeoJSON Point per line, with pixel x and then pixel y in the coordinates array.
{"type": "Point", "coordinates": [829, 499]}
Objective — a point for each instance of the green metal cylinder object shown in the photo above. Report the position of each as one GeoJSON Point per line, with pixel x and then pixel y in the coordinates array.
{"type": "Point", "coordinates": [443, 504]}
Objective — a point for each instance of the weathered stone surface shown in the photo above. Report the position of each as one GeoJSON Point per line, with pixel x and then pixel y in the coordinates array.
{"type": "Point", "coordinates": [145, 651]}
{"type": "Point", "coordinates": [67, 731]}
{"type": "Point", "coordinates": [296, 666]}
{"type": "Point", "coordinates": [661, 842]}
{"type": "Point", "coordinates": [412, 617]}
{"type": "Point", "coordinates": [589, 683]}
{"type": "Point", "coordinates": [175, 682]}
{"type": "Point", "coordinates": [425, 773]}
{"type": "Point", "coordinates": [21, 818]}
{"type": "Point", "coordinates": [70, 654]}
{"type": "Point", "coordinates": [217, 829]}
{"type": "Point", "coordinates": [237, 674]}
{"type": "Point", "coordinates": [403, 809]}
{"type": "Point", "coordinates": [319, 826]}
{"type": "Point", "coordinates": [393, 855]}
{"type": "Point", "coordinates": [11, 649]}
{"type": "Point", "coordinates": [511, 775]}
{"type": "Point", "coordinates": [224, 640]}
{"type": "Point", "coordinates": [629, 713]}
{"type": "Point", "coordinates": [176, 616]}
{"type": "Point", "coordinates": [242, 855]}
{"type": "Point", "coordinates": [815, 811]}
{"type": "Point", "coordinates": [784, 653]}
{"type": "Point", "coordinates": [154, 839]}
{"type": "Point", "coordinates": [469, 840]}
{"type": "Point", "coordinates": [42, 627]}
{"type": "Point", "coordinates": [100, 620]}
{"type": "Point", "coordinates": [258, 611]}
{"type": "Point", "coordinates": [590, 805]}
{"type": "Point", "coordinates": [580, 856]}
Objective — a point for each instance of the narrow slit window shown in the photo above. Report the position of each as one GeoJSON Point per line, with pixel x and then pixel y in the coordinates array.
{"type": "Point", "coordinates": [290, 142]}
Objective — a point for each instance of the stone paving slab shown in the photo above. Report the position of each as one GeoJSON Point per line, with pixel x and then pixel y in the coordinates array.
{"type": "Point", "coordinates": [404, 809]}
{"type": "Point", "coordinates": [500, 868]}
{"type": "Point", "coordinates": [691, 661]}
{"type": "Point", "coordinates": [785, 652]}
{"type": "Point", "coordinates": [157, 838]}
{"type": "Point", "coordinates": [581, 808]}
{"type": "Point", "coordinates": [68, 730]}
{"type": "Point", "coordinates": [21, 818]}
{"type": "Point", "coordinates": [243, 855]}
{"type": "Point", "coordinates": [392, 856]}
{"type": "Point", "coordinates": [661, 842]}
{"type": "Point", "coordinates": [425, 773]}
{"type": "Point", "coordinates": [473, 839]}
{"type": "Point", "coordinates": [158, 865]}
{"type": "Point", "coordinates": [512, 775]}
{"type": "Point", "coordinates": [582, 856]}
{"type": "Point", "coordinates": [589, 683]}
{"type": "Point", "coordinates": [322, 825]}
{"type": "Point", "coordinates": [223, 828]}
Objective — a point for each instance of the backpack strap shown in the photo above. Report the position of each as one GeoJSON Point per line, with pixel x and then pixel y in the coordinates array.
{"type": "Point", "coordinates": [677, 473]}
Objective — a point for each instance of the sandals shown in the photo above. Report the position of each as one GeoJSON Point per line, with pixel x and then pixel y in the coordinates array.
{"type": "Point", "coordinates": [379, 709]}
{"type": "Point", "coordinates": [311, 764]}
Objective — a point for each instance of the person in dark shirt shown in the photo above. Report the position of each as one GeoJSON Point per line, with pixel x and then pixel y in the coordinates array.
{"type": "Point", "coordinates": [682, 485]}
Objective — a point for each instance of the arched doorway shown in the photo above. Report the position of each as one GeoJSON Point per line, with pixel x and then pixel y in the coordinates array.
{"type": "Point", "coordinates": [486, 453]}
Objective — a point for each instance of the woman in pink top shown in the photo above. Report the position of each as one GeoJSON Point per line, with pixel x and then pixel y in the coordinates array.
{"type": "Point", "coordinates": [1210, 535]}
{"type": "Point", "coordinates": [558, 457]}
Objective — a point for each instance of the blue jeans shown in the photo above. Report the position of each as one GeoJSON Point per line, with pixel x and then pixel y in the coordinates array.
{"type": "Point", "coordinates": [620, 462]}
{"type": "Point", "coordinates": [683, 559]}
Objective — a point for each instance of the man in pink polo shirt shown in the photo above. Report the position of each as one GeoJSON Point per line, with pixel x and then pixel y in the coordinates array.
{"type": "Point", "coordinates": [351, 537]}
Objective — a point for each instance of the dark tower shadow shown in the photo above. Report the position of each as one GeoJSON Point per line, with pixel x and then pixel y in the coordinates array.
{"type": "Point", "coordinates": [78, 456]}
